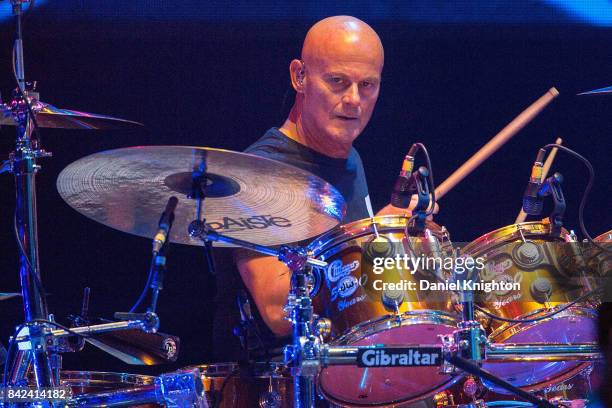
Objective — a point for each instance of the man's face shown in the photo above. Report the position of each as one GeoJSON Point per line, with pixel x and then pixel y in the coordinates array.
{"type": "Point", "coordinates": [340, 96]}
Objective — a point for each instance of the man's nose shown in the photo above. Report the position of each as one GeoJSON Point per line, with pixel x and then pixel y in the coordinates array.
{"type": "Point", "coordinates": [351, 96]}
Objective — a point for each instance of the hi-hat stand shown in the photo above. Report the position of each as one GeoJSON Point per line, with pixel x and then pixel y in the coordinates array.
{"type": "Point", "coordinates": [24, 167]}
{"type": "Point", "coordinates": [39, 339]}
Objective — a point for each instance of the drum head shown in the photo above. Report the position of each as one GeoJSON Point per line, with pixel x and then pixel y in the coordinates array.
{"type": "Point", "coordinates": [356, 386]}
{"type": "Point", "coordinates": [572, 326]}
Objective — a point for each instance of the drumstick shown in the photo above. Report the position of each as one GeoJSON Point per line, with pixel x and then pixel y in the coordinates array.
{"type": "Point", "coordinates": [549, 160]}
{"type": "Point", "coordinates": [498, 141]}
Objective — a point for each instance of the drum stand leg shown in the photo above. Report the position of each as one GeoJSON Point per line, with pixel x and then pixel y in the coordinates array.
{"type": "Point", "coordinates": [303, 354]}
{"type": "Point", "coordinates": [470, 346]}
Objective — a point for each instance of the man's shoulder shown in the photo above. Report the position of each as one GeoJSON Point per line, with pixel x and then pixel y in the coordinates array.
{"type": "Point", "coordinates": [271, 141]}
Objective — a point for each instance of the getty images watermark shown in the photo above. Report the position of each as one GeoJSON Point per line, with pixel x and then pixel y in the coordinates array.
{"type": "Point", "coordinates": [466, 271]}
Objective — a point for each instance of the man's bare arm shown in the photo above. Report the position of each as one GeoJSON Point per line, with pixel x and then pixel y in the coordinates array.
{"type": "Point", "coordinates": [267, 280]}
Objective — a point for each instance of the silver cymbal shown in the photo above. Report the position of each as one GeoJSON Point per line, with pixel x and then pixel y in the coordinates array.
{"type": "Point", "coordinates": [248, 197]}
{"type": "Point", "coordinates": [48, 116]}
{"type": "Point", "coordinates": [600, 91]}
{"type": "Point", "coordinates": [5, 295]}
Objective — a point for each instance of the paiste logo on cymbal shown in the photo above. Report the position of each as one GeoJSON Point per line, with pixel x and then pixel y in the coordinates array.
{"type": "Point", "coordinates": [228, 224]}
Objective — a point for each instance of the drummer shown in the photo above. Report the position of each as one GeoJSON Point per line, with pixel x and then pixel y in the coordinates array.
{"type": "Point", "coordinates": [337, 82]}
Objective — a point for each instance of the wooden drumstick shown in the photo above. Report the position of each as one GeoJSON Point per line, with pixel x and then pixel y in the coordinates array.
{"type": "Point", "coordinates": [549, 160]}
{"type": "Point", "coordinates": [498, 141]}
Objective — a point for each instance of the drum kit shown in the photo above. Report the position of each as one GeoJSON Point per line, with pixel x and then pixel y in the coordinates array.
{"type": "Point", "coordinates": [381, 336]}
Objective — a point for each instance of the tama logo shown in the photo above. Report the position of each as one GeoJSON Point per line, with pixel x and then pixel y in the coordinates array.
{"type": "Point", "coordinates": [400, 357]}
{"type": "Point", "coordinates": [229, 224]}
{"type": "Point", "coordinates": [559, 388]}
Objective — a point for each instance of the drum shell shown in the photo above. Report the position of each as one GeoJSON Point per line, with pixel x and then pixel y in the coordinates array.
{"type": "Point", "coordinates": [343, 248]}
{"type": "Point", "coordinates": [227, 386]}
{"type": "Point", "coordinates": [359, 317]}
{"type": "Point", "coordinates": [499, 248]}
{"type": "Point", "coordinates": [555, 263]}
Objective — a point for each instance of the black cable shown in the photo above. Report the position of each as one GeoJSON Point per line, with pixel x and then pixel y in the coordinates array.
{"type": "Point", "coordinates": [146, 288]}
{"type": "Point", "coordinates": [585, 194]}
{"type": "Point", "coordinates": [25, 99]}
{"type": "Point", "coordinates": [7, 360]}
{"type": "Point", "coordinates": [29, 266]}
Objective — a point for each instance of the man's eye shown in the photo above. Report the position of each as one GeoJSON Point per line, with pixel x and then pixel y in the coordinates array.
{"type": "Point", "coordinates": [367, 84]}
{"type": "Point", "coordinates": [336, 80]}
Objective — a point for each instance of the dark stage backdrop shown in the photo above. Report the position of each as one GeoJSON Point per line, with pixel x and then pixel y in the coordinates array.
{"type": "Point", "coordinates": [222, 83]}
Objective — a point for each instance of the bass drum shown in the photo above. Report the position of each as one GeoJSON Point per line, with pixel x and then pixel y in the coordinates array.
{"type": "Point", "coordinates": [88, 382]}
{"type": "Point", "coordinates": [261, 385]}
{"type": "Point", "coordinates": [369, 303]}
{"type": "Point", "coordinates": [528, 255]}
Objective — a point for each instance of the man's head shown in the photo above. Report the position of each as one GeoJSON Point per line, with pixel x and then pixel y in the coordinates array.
{"type": "Point", "coordinates": [337, 79]}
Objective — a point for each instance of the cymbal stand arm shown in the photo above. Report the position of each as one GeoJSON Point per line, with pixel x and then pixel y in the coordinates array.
{"type": "Point", "coordinates": [198, 229]}
{"type": "Point", "coordinates": [198, 192]}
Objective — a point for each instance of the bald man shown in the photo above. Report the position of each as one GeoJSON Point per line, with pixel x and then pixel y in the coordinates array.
{"type": "Point", "coordinates": [337, 81]}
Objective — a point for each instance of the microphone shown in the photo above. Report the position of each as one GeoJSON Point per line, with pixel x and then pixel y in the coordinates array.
{"type": "Point", "coordinates": [402, 190]}
{"type": "Point", "coordinates": [532, 202]}
{"type": "Point", "coordinates": [165, 223]}
{"type": "Point", "coordinates": [406, 187]}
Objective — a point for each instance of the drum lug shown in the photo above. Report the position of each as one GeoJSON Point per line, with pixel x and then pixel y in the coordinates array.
{"type": "Point", "coordinates": [322, 327]}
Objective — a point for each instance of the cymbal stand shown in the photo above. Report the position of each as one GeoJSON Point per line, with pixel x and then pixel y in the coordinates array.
{"type": "Point", "coordinates": [24, 166]}
{"type": "Point", "coordinates": [302, 355]}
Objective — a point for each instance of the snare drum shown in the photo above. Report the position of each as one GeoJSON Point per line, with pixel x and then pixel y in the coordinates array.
{"type": "Point", "coordinates": [88, 382]}
{"type": "Point", "coordinates": [526, 253]}
{"type": "Point", "coordinates": [261, 385]}
{"type": "Point", "coordinates": [350, 292]}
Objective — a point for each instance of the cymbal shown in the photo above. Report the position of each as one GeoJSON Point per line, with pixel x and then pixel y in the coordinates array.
{"type": "Point", "coordinates": [5, 296]}
{"type": "Point", "coordinates": [48, 116]}
{"type": "Point", "coordinates": [600, 91]}
{"type": "Point", "coordinates": [248, 197]}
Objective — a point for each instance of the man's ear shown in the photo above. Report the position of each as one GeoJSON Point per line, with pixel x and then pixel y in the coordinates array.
{"type": "Point", "coordinates": [297, 73]}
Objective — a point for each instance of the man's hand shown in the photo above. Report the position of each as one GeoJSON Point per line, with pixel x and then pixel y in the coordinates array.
{"type": "Point", "coordinates": [391, 210]}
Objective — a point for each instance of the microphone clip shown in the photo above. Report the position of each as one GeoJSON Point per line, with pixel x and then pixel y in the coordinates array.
{"type": "Point", "coordinates": [552, 187]}
{"type": "Point", "coordinates": [423, 196]}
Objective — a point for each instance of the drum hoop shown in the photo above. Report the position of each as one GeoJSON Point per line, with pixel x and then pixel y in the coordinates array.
{"type": "Point", "coordinates": [262, 370]}
{"type": "Point", "coordinates": [101, 377]}
{"type": "Point", "coordinates": [605, 237]}
{"type": "Point", "coordinates": [507, 330]}
{"type": "Point", "coordinates": [373, 326]}
{"type": "Point", "coordinates": [507, 234]}
{"type": "Point", "coordinates": [360, 228]}
{"type": "Point", "coordinates": [451, 380]}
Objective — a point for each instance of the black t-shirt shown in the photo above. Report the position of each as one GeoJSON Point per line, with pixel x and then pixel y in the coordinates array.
{"type": "Point", "coordinates": [346, 175]}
